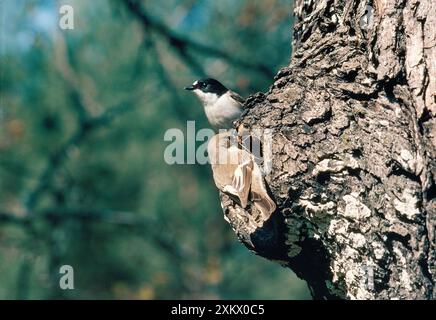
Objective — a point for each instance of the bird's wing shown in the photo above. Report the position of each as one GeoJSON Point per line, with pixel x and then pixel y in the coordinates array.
{"type": "Point", "coordinates": [237, 97]}
{"type": "Point", "coordinates": [241, 181]}
{"type": "Point", "coordinates": [231, 167]}
{"type": "Point", "coordinates": [260, 197]}
{"type": "Point", "coordinates": [236, 173]}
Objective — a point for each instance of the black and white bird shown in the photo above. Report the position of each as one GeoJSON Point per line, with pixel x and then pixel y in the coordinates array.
{"type": "Point", "coordinates": [234, 167]}
{"type": "Point", "coordinates": [221, 105]}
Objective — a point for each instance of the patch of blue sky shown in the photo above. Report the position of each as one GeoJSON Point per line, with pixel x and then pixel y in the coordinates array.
{"type": "Point", "coordinates": [20, 22]}
{"type": "Point", "coordinates": [198, 16]}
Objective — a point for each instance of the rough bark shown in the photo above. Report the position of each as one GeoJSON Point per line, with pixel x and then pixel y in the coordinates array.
{"type": "Point", "coordinates": [353, 153]}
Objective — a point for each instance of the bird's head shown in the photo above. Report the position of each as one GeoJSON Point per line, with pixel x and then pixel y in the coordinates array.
{"type": "Point", "coordinates": [207, 87]}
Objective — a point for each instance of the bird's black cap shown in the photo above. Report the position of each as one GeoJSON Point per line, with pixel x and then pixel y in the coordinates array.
{"type": "Point", "coordinates": [208, 85]}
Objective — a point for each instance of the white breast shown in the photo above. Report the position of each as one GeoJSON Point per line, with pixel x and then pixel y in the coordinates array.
{"type": "Point", "coordinates": [220, 111]}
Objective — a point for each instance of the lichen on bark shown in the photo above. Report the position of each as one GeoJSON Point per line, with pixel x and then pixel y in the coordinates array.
{"type": "Point", "coordinates": [354, 152]}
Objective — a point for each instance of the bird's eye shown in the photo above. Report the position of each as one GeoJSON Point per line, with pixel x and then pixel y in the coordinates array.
{"type": "Point", "coordinates": [203, 85]}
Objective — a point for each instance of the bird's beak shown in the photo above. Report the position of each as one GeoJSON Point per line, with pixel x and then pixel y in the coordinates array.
{"type": "Point", "coordinates": [190, 88]}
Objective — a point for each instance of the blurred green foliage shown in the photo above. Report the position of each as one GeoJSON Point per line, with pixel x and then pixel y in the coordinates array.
{"type": "Point", "coordinates": [83, 181]}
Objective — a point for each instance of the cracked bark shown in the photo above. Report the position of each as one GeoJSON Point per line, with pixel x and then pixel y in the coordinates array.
{"type": "Point", "coordinates": [353, 152]}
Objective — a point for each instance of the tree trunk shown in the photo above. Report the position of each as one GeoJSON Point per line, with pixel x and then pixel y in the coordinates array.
{"type": "Point", "coordinates": [353, 153]}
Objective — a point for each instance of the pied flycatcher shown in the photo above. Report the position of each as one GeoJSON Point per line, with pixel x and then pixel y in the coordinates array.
{"type": "Point", "coordinates": [221, 105]}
